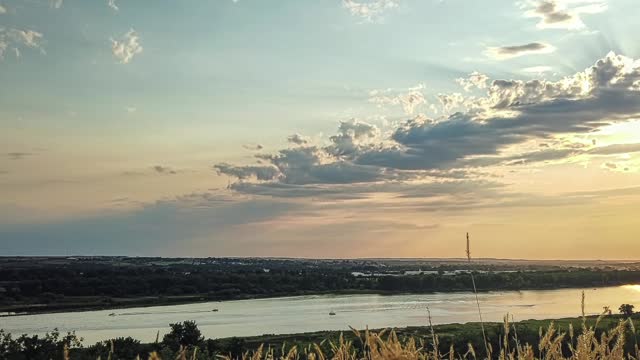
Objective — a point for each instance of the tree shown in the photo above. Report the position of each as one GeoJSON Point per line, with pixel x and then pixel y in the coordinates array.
{"type": "Point", "coordinates": [186, 334]}
{"type": "Point", "coordinates": [626, 309]}
{"type": "Point", "coordinates": [123, 348]}
{"type": "Point", "coordinates": [49, 346]}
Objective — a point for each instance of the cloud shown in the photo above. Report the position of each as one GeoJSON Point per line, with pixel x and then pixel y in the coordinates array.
{"type": "Point", "coordinates": [509, 52]}
{"type": "Point", "coordinates": [3, 10]}
{"type": "Point", "coordinates": [253, 147]}
{"type": "Point", "coordinates": [112, 4]}
{"type": "Point", "coordinates": [451, 101]}
{"type": "Point", "coordinates": [409, 99]}
{"type": "Point", "coordinates": [615, 149]}
{"type": "Point", "coordinates": [537, 69]}
{"type": "Point", "coordinates": [165, 170]}
{"type": "Point", "coordinates": [493, 130]}
{"type": "Point", "coordinates": [475, 80]}
{"type": "Point", "coordinates": [369, 10]}
{"type": "Point", "coordinates": [247, 172]}
{"type": "Point", "coordinates": [298, 139]}
{"type": "Point", "coordinates": [563, 14]}
{"type": "Point", "coordinates": [18, 155]}
{"type": "Point", "coordinates": [125, 48]}
{"type": "Point", "coordinates": [17, 38]}
{"type": "Point", "coordinates": [194, 222]}
{"type": "Point", "coordinates": [56, 4]}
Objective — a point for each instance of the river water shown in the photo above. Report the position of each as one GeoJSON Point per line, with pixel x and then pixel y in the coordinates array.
{"type": "Point", "coordinates": [311, 313]}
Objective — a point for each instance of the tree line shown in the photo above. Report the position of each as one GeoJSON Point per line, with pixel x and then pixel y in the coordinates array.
{"type": "Point", "coordinates": [52, 286]}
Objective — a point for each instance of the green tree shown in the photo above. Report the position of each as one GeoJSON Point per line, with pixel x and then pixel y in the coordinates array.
{"type": "Point", "coordinates": [123, 348]}
{"type": "Point", "coordinates": [626, 309]}
{"type": "Point", "coordinates": [186, 334]}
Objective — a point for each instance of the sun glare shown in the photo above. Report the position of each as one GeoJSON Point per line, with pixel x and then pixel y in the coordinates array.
{"type": "Point", "coordinates": [620, 133]}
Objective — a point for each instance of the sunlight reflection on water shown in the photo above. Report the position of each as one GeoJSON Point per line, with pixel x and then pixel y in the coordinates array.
{"type": "Point", "coordinates": [311, 313]}
{"type": "Point", "coordinates": [632, 287]}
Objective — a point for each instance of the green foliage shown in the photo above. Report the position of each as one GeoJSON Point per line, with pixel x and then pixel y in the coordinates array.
{"type": "Point", "coordinates": [88, 284]}
{"type": "Point", "coordinates": [118, 349]}
{"type": "Point", "coordinates": [185, 334]}
{"type": "Point", "coordinates": [51, 345]}
{"type": "Point", "coordinates": [626, 309]}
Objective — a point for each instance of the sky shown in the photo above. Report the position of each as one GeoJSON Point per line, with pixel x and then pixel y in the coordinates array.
{"type": "Point", "coordinates": [320, 129]}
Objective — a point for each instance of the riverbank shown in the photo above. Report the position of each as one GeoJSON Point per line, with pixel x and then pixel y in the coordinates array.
{"type": "Point", "coordinates": [305, 314]}
{"type": "Point", "coordinates": [456, 334]}
{"type": "Point", "coordinates": [418, 339]}
{"type": "Point", "coordinates": [96, 284]}
{"type": "Point", "coordinates": [93, 303]}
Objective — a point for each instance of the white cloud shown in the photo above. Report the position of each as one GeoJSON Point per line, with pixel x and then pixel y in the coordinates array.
{"type": "Point", "coordinates": [451, 101]}
{"type": "Point", "coordinates": [509, 52]}
{"type": "Point", "coordinates": [125, 48]}
{"type": "Point", "coordinates": [409, 99]}
{"type": "Point", "coordinates": [537, 69]}
{"type": "Point", "coordinates": [112, 4]}
{"type": "Point", "coordinates": [56, 4]}
{"type": "Point", "coordinates": [16, 38]}
{"type": "Point", "coordinates": [370, 10]}
{"type": "Point", "coordinates": [563, 14]}
{"type": "Point", "coordinates": [475, 80]}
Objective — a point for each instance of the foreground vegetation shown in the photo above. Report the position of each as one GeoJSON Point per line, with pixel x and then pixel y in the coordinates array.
{"type": "Point", "coordinates": [605, 337]}
{"type": "Point", "coordinates": [89, 284]}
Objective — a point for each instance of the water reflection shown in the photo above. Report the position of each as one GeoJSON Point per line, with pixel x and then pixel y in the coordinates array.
{"type": "Point", "coordinates": [311, 313]}
{"type": "Point", "coordinates": [632, 287]}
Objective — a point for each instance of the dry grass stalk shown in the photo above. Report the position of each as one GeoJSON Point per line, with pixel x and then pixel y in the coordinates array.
{"type": "Point", "coordinates": [475, 291]}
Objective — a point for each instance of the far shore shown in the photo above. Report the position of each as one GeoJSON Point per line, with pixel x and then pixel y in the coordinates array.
{"type": "Point", "coordinates": [96, 304]}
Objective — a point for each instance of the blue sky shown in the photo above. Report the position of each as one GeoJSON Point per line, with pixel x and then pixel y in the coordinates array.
{"type": "Point", "coordinates": [135, 129]}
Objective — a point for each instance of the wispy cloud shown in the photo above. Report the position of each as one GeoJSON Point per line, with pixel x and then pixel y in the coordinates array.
{"type": "Point", "coordinates": [509, 52]}
{"type": "Point", "coordinates": [538, 69]}
{"type": "Point", "coordinates": [298, 139]}
{"type": "Point", "coordinates": [112, 4]}
{"type": "Point", "coordinates": [253, 147]}
{"type": "Point", "coordinates": [56, 4]}
{"type": "Point", "coordinates": [17, 38]}
{"type": "Point", "coordinates": [409, 99]}
{"type": "Point", "coordinates": [16, 155]}
{"type": "Point", "coordinates": [563, 14]}
{"type": "Point", "coordinates": [369, 10]}
{"type": "Point", "coordinates": [165, 170]}
{"type": "Point", "coordinates": [125, 48]}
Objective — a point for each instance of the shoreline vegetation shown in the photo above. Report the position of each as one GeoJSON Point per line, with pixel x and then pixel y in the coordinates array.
{"type": "Point", "coordinates": [185, 339]}
{"type": "Point", "coordinates": [63, 285]}
{"type": "Point", "coordinates": [196, 299]}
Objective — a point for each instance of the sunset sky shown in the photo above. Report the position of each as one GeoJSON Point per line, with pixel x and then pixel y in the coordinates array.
{"type": "Point", "coordinates": [320, 128]}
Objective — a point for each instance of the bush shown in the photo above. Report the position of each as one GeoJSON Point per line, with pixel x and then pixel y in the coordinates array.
{"type": "Point", "coordinates": [185, 334]}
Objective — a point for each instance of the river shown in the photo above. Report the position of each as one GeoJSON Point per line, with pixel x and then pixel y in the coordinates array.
{"type": "Point", "coordinates": [311, 313]}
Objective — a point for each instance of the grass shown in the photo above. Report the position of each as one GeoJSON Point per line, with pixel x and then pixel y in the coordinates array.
{"type": "Point", "coordinates": [556, 341]}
